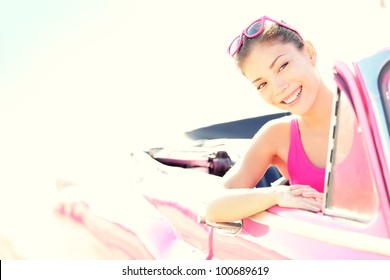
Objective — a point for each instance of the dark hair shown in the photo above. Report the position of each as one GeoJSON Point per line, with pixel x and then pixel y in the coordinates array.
{"type": "Point", "coordinates": [273, 33]}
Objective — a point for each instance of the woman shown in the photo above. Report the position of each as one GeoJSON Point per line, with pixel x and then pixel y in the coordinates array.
{"type": "Point", "coordinates": [282, 67]}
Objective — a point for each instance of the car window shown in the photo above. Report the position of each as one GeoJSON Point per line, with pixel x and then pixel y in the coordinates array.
{"type": "Point", "coordinates": [351, 191]}
{"type": "Point", "coordinates": [384, 93]}
{"type": "Point", "coordinates": [384, 90]}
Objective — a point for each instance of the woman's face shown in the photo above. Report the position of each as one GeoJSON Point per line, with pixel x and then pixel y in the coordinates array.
{"type": "Point", "coordinates": [284, 76]}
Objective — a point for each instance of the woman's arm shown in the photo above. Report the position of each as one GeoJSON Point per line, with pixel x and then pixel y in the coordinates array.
{"type": "Point", "coordinates": [247, 172]}
{"type": "Point", "coordinates": [235, 204]}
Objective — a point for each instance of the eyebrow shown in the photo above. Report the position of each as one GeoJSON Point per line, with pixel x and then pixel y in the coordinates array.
{"type": "Point", "coordinates": [270, 66]}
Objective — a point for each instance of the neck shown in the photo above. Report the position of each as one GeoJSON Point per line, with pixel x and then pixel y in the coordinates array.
{"type": "Point", "coordinates": [319, 115]}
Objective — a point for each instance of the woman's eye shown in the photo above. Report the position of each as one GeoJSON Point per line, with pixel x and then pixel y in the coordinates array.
{"type": "Point", "coordinates": [283, 66]}
{"type": "Point", "coordinates": [262, 85]}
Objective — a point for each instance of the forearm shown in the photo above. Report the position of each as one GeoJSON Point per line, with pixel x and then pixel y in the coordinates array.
{"type": "Point", "coordinates": [236, 204]}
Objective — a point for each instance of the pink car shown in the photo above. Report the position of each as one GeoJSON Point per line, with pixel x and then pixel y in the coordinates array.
{"type": "Point", "coordinates": [355, 223]}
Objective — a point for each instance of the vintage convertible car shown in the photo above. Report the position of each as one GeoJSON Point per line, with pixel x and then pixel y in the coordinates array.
{"type": "Point", "coordinates": [160, 215]}
{"type": "Point", "coordinates": [356, 219]}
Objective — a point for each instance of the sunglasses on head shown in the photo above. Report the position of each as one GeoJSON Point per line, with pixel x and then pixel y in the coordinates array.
{"type": "Point", "coordinates": [253, 30]}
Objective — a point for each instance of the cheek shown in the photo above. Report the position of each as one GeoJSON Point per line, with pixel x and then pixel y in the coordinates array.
{"type": "Point", "coordinates": [266, 97]}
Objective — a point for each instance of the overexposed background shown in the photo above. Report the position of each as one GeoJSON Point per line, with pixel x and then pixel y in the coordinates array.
{"type": "Point", "coordinates": [84, 82]}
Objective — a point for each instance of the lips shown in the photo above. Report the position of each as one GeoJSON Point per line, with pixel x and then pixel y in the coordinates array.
{"type": "Point", "coordinates": [293, 98]}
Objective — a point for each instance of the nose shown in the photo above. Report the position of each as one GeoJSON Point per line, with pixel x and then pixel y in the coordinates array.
{"type": "Point", "coordinates": [280, 85]}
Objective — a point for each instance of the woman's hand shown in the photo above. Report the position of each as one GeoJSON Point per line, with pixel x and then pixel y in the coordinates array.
{"type": "Point", "coordinates": [299, 196]}
{"type": "Point", "coordinates": [306, 191]}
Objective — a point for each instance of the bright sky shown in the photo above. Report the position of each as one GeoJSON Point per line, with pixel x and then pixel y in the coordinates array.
{"type": "Point", "coordinates": [82, 81]}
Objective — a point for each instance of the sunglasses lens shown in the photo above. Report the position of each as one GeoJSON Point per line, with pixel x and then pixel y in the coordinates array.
{"type": "Point", "coordinates": [234, 46]}
{"type": "Point", "coordinates": [254, 29]}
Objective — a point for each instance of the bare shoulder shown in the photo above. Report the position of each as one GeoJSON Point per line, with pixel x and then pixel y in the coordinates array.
{"type": "Point", "coordinates": [267, 145]}
{"type": "Point", "coordinates": [272, 138]}
{"type": "Point", "coordinates": [274, 129]}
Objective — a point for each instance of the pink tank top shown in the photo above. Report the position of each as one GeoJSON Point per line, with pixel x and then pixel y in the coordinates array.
{"type": "Point", "coordinates": [300, 169]}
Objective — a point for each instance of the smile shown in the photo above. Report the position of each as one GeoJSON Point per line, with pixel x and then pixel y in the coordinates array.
{"type": "Point", "coordinates": [293, 98]}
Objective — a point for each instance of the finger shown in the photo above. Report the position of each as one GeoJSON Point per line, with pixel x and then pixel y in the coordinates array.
{"type": "Point", "coordinates": [300, 188]}
{"type": "Point", "coordinates": [296, 187]}
{"type": "Point", "coordinates": [313, 194]}
{"type": "Point", "coordinates": [310, 207]}
{"type": "Point", "coordinates": [314, 207]}
{"type": "Point", "coordinates": [299, 191]}
{"type": "Point", "coordinates": [307, 192]}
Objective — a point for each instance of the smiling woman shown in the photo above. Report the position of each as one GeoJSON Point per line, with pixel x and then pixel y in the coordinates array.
{"type": "Point", "coordinates": [282, 66]}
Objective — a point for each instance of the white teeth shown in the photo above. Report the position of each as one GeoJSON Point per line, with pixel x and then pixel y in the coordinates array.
{"type": "Point", "coordinates": [293, 97]}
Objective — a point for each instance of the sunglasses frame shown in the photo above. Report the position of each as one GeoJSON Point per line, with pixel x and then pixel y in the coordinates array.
{"type": "Point", "coordinates": [257, 33]}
